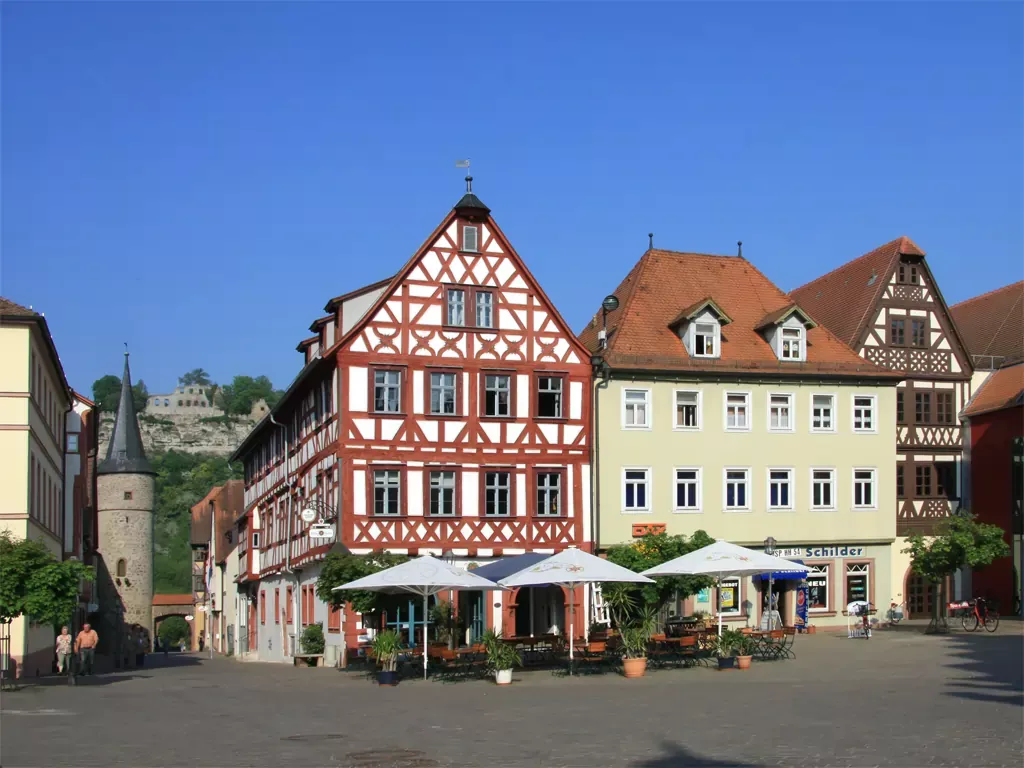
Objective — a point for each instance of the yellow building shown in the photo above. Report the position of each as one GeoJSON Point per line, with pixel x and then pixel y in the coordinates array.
{"type": "Point", "coordinates": [34, 401]}
{"type": "Point", "coordinates": [722, 406]}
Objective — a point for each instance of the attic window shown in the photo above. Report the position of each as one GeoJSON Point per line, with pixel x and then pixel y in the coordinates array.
{"type": "Point", "coordinates": [792, 344]}
{"type": "Point", "coordinates": [908, 274]}
{"type": "Point", "coordinates": [704, 340]}
{"type": "Point", "coordinates": [470, 239]}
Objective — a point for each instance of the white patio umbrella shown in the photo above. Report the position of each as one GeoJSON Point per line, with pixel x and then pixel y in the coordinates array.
{"type": "Point", "coordinates": [723, 560]}
{"type": "Point", "coordinates": [569, 569]}
{"type": "Point", "coordinates": [424, 576]}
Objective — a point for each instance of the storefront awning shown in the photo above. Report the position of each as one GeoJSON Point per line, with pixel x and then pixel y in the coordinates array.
{"type": "Point", "coordinates": [782, 575]}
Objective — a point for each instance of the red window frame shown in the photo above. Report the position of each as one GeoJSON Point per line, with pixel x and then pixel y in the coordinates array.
{"type": "Point", "coordinates": [563, 490]}
{"type": "Point", "coordinates": [511, 392]}
{"type": "Point", "coordinates": [333, 619]}
{"type": "Point", "coordinates": [427, 471]}
{"type": "Point", "coordinates": [403, 489]}
{"type": "Point", "coordinates": [469, 307]}
{"type": "Point", "coordinates": [303, 616]}
{"type": "Point", "coordinates": [289, 613]}
{"type": "Point", "coordinates": [537, 376]}
{"type": "Point", "coordinates": [403, 406]}
{"type": "Point", "coordinates": [462, 236]}
{"type": "Point", "coordinates": [484, 471]}
{"type": "Point", "coordinates": [263, 606]}
{"type": "Point", "coordinates": [277, 605]}
{"type": "Point", "coordinates": [427, 387]}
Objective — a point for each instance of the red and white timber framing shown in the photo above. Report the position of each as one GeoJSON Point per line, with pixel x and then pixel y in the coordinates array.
{"type": "Point", "coordinates": [407, 331]}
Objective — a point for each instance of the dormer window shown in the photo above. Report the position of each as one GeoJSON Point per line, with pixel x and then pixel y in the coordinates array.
{"type": "Point", "coordinates": [470, 239]}
{"type": "Point", "coordinates": [704, 340]}
{"type": "Point", "coordinates": [792, 344]}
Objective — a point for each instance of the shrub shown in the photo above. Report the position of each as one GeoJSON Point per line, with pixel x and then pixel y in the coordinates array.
{"type": "Point", "coordinates": [312, 639]}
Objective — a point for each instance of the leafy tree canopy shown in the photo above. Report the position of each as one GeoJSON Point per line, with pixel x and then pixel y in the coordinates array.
{"type": "Point", "coordinates": [35, 583]}
{"type": "Point", "coordinates": [173, 630]}
{"type": "Point", "coordinates": [106, 393]}
{"type": "Point", "coordinates": [195, 377]}
{"type": "Point", "coordinates": [960, 541]}
{"type": "Point", "coordinates": [655, 549]}
{"type": "Point", "coordinates": [341, 567]}
{"type": "Point", "coordinates": [239, 396]}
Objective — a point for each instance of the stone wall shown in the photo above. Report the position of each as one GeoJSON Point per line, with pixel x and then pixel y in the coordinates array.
{"type": "Point", "coordinates": [185, 434]}
{"type": "Point", "coordinates": [125, 516]}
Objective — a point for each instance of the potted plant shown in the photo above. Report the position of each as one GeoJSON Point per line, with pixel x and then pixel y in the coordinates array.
{"type": "Point", "coordinates": [744, 651]}
{"type": "Point", "coordinates": [635, 635]}
{"type": "Point", "coordinates": [502, 656]}
{"type": "Point", "coordinates": [312, 641]}
{"type": "Point", "coordinates": [386, 647]}
{"type": "Point", "coordinates": [725, 648]}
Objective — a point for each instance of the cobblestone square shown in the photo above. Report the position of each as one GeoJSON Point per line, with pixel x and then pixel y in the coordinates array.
{"type": "Point", "coordinates": [899, 699]}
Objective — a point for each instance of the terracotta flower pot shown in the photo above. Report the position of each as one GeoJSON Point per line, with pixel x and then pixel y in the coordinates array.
{"type": "Point", "coordinates": [634, 667]}
{"type": "Point", "coordinates": [743, 662]}
{"type": "Point", "coordinates": [811, 629]}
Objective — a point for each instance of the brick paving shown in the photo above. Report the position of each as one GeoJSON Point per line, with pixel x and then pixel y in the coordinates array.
{"type": "Point", "coordinates": [899, 699]}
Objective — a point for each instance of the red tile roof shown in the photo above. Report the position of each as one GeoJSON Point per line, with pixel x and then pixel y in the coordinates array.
{"type": "Point", "coordinates": [843, 299]}
{"type": "Point", "coordinates": [1002, 389]}
{"type": "Point", "coordinates": [664, 282]}
{"type": "Point", "coordinates": [172, 600]}
{"type": "Point", "coordinates": [993, 323]}
{"type": "Point", "coordinates": [9, 309]}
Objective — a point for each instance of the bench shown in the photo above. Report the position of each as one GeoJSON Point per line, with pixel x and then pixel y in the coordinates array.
{"type": "Point", "coordinates": [318, 659]}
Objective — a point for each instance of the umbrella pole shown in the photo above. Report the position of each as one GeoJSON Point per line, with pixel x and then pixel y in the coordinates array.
{"type": "Point", "coordinates": [572, 617]}
{"type": "Point", "coordinates": [719, 605]}
{"type": "Point", "coordinates": [424, 635]}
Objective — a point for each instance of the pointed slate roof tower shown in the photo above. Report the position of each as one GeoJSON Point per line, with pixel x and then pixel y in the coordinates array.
{"type": "Point", "coordinates": [125, 454]}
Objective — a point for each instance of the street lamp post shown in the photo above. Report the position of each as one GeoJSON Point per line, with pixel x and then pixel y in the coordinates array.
{"type": "Point", "coordinates": [769, 549]}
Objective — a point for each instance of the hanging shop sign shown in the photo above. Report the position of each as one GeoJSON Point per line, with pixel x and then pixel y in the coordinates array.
{"type": "Point", "coordinates": [321, 531]}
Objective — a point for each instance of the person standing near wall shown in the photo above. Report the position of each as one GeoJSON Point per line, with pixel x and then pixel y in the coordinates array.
{"type": "Point", "coordinates": [85, 647]}
{"type": "Point", "coordinates": [63, 650]}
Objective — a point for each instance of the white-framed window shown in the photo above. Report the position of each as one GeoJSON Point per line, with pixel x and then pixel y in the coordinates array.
{"type": "Point", "coordinates": [792, 344]}
{"type": "Point", "coordinates": [497, 494]}
{"type": "Point", "coordinates": [484, 309]}
{"type": "Point", "coordinates": [780, 488]}
{"type": "Point", "coordinates": [442, 393]}
{"type": "Point", "coordinates": [636, 409]}
{"type": "Point", "coordinates": [728, 597]}
{"type": "Point", "coordinates": [737, 488]}
{"type": "Point", "coordinates": [819, 593]}
{"type": "Point", "coordinates": [823, 489]}
{"type": "Point", "coordinates": [497, 394]}
{"type": "Point", "coordinates": [864, 419]}
{"type": "Point", "coordinates": [386, 492]}
{"type": "Point", "coordinates": [823, 413]}
{"type": "Point", "coordinates": [255, 539]}
{"type": "Point", "coordinates": [442, 493]}
{"type": "Point", "coordinates": [737, 411]}
{"type": "Point", "coordinates": [636, 491]}
{"type": "Point", "coordinates": [780, 412]}
{"type": "Point", "coordinates": [456, 306]}
{"type": "Point", "coordinates": [687, 491]}
{"type": "Point", "coordinates": [72, 442]}
{"type": "Point", "coordinates": [387, 391]}
{"type": "Point", "coordinates": [864, 496]}
{"type": "Point", "coordinates": [688, 408]}
{"type": "Point", "coordinates": [858, 582]}
{"type": "Point", "coordinates": [470, 239]}
{"type": "Point", "coordinates": [705, 340]}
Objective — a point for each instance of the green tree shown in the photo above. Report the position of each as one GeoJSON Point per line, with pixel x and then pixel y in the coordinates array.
{"type": "Point", "coordinates": [960, 541]}
{"type": "Point", "coordinates": [173, 630]}
{"type": "Point", "coordinates": [106, 393]}
{"type": "Point", "coordinates": [195, 377]}
{"type": "Point", "coordinates": [35, 583]}
{"type": "Point", "coordinates": [649, 551]}
{"type": "Point", "coordinates": [341, 567]}
{"type": "Point", "coordinates": [238, 396]}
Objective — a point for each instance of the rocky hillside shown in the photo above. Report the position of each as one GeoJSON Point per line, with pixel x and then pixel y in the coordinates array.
{"type": "Point", "coordinates": [217, 436]}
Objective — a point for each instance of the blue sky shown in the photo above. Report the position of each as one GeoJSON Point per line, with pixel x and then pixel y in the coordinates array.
{"type": "Point", "coordinates": [197, 179]}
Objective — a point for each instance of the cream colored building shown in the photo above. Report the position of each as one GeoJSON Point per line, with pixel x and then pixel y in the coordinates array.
{"type": "Point", "coordinates": [34, 401]}
{"type": "Point", "coordinates": [721, 406]}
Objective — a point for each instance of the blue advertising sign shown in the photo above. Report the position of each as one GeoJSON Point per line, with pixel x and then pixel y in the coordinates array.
{"type": "Point", "coordinates": [801, 605]}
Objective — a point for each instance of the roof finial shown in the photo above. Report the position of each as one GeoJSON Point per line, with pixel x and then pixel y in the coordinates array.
{"type": "Point", "coordinates": [650, 241]}
{"type": "Point", "coordinates": [469, 185]}
{"type": "Point", "coordinates": [126, 349]}
{"type": "Point", "coordinates": [739, 246]}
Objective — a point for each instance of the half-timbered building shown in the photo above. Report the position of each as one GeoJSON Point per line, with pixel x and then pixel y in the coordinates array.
{"type": "Point", "coordinates": [887, 306]}
{"type": "Point", "coordinates": [444, 411]}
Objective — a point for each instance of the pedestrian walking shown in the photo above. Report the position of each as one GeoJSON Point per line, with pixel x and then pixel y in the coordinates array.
{"type": "Point", "coordinates": [85, 647]}
{"type": "Point", "coordinates": [63, 650]}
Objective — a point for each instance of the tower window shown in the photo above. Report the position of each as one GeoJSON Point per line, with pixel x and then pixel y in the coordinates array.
{"type": "Point", "coordinates": [127, 495]}
{"type": "Point", "coordinates": [122, 568]}
{"type": "Point", "coordinates": [470, 239]}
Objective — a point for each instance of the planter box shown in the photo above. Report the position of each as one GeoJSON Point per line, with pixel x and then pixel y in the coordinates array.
{"type": "Point", "coordinates": [503, 677]}
{"type": "Point", "coordinates": [726, 662]}
{"type": "Point", "coordinates": [389, 679]}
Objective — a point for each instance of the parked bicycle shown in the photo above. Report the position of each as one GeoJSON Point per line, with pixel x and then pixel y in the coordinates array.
{"type": "Point", "coordinates": [978, 612]}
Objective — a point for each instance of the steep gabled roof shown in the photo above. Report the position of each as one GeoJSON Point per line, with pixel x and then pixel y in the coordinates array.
{"type": "Point", "coordinates": [843, 299]}
{"type": "Point", "coordinates": [993, 324]}
{"type": "Point", "coordinates": [1002, 389]}
{"type": "Point", "coordinates": [125, 454]}
{"type": "Point", "coordinates": [662, 283]}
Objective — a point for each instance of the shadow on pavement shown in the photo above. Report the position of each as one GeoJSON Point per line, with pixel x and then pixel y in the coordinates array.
{"type": "Point", "coordinates": [678, 756]}
{"type": "Point", "coordinates": [996, 666]}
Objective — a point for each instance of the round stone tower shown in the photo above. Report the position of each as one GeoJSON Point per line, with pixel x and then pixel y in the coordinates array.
{"type": "Point", "coordinates": [126, 498]}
